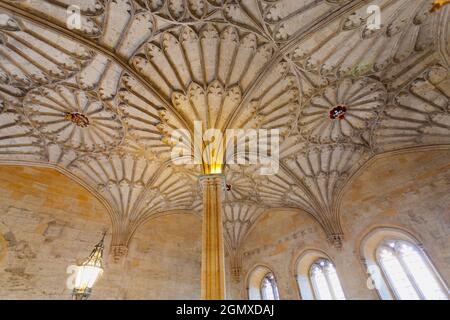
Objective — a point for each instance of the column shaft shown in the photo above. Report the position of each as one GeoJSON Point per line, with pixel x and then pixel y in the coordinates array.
{"type": "Point", "coordinates": [213, 264]}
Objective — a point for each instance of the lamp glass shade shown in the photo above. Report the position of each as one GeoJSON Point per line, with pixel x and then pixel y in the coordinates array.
{"type": "Point", "coordinates": [89, 271]}
{"type": "Point", "coordinates": [87, 276]}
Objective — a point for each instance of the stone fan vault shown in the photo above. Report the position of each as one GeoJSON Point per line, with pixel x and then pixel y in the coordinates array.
{"type": "Point", "coordinates": [99, 104]}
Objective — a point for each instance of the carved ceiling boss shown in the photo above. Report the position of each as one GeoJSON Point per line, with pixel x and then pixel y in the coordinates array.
{"type": "Point", "coordinates": [100, 102]}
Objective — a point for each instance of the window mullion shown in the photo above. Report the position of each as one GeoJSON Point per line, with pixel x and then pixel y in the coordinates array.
{"type": "Point", "coordinates": [314, 287]}
{"type": "Point", "coordinates": [313, 283]}
{"type": "Point", "coordinates": [274, 289]}
{"type": "Point", "coordinates": [329, 284]}
{"type": "Point", "coordinates": [261, 290]}
{"type": "Point", "coordinates": [387, 280]}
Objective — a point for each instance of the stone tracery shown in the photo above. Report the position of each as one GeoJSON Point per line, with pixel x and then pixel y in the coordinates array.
{"type": "Point", "coordinates": [257, 59]}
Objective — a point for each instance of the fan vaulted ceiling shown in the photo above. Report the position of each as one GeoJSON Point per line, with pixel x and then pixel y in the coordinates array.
{"type": "Point", "coordinates": [99, 103]}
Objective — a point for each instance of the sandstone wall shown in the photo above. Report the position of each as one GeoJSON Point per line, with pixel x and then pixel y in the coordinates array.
{"type": "Point", "coordinates": [163, 262]}
{"type": "Point", "coordinates": [410, 191]}
{"type": "Point", "coordinates": [48, 222]}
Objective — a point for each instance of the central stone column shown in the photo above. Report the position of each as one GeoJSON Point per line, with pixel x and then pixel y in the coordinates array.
{"type": "Point", "coordinates": [213, 261]}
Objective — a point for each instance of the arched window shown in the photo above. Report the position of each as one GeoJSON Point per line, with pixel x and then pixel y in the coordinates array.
{"type": "Point", "coordinates": [408, 271]}
{"type": "Point", "coordinates": [317, 278]}
{"type": "Point", "coordinates": [399, 267]}
{"type": "Point", "coordinates": [262, 284]}
{"type": "Point", "coordinates": [325, 281]}
{"type": "Point", "coordinates": [269, 289]}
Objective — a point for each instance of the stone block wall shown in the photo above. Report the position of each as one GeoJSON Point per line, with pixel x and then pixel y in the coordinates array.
{"type": "Point", "coordinates": [409, 191]}
{"type": "Point", "coordinates": [48, 222]}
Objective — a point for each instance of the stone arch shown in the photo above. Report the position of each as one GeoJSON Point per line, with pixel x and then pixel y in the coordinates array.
{"type": "Point", "coordinates": [302, 267]}
{"type": "Point", "coordinates": [368, 246]}
{"type": "Point", "coordinates": [254, 278]}
{"type": "Point", "coordinates": [66, 173]}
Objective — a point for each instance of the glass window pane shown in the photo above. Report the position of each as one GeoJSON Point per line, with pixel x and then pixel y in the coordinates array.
{"type": "Point", "coordinates": [320, 284]}
{"type": "Point", "coordinates": [421, 273]}
{"type": "Point", "coordinates": [275, 290]}
{"type": "Point", "coordinates": [269, 291]}
{"type": "Point", "coordinates": [397, 276]}
{"type": "Point", "coordinates": [335, 283]}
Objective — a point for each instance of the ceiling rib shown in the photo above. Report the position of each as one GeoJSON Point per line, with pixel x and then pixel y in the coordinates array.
{"type": "Point", "coordinates": [289, 46]}
{"type": "Point", "coordinates": [96, 47]}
